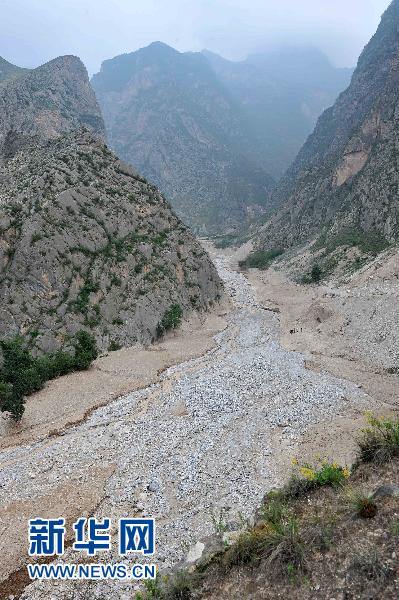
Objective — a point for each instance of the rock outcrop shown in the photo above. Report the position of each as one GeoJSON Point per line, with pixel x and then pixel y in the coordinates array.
{"type": "Point", "coordinates": [88, 243]}
{"type": "Point", "coordinates": [46, 102]}
{"type": "Point", "coordinates": [346, 177]}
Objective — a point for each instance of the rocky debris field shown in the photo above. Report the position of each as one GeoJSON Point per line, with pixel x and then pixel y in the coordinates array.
{"type": "Point", "coordinates": [214, 434]}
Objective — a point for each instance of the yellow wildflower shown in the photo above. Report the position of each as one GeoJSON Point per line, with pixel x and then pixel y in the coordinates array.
{"type": "Point", "coordinates": [294, 461]}
{"type": "Point", "coordinates": [308, 473]}
{"type": "Point", "coordinates": [346, 473]}
{"type": "Point", "coordinates": [335, 465]}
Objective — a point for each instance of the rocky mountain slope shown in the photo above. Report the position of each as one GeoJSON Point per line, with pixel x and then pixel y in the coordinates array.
{"type": "Point", "coordinates": [85, 242]}
{"type": "Point", "coordinates": [47, 101]}
{"type": "Point", "coordinates": [167, 114]}
{"type": "Point", "coordinates": [281, 93]}
{"type": "Point", "coordinates": [88, 243]}
{"type": "Point", "coordinates": [346, 176]}
{"type": "Point", "coordinates": [9, 71]}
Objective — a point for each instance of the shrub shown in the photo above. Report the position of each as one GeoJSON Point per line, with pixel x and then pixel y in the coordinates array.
{"type": "Point", "coordinates": [22, 374]}
{"type": "Point", "coordinates": [85, 350]}
{"type": "Point", "coordinates": [370, 242]}
{"type": "Point", "coordinates": [9, 402]}
{"type": "Point", "coordinates": [276, 539]}
{"type": "Point", "coordinates": [366, 507]}
{"type": "Point", "coordinates": [113, 346]}
{"type": "Point", "coordinates": [178, 586]}
{"type": "Point", "coordinates": [316, 273]}
{"type": "Point", "coordinates": [171, 319]}
{"type": "Point", "coordinates": [308, 477]}
{"type": "Point", "coordinates": [380, 441]}
{"type": "Point", "coordinates": [260, 259]}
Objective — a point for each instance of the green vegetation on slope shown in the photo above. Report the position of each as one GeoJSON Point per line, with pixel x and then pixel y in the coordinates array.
{"type": "Point", "coordinates": [21, 374]}
{"type": "Point", "coordinates": [324, 515]}
{"type": "Point", "coordinates": [170, 320]}
{"type": "Point", "coordinates": [260, 259]}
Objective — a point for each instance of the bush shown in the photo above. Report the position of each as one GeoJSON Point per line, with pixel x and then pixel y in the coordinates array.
{"type": "Point", "coordinates": [380, 442]}
{"type": "Point", "coordinates": [113, 346]}
{"type": "Point", "coordinates": [260, 259]}
{"type": "Point", "coordinates": [22, 374]}
{"type": "Point", "coordinates": [314, 276]}
{"type": "Point", "coordinates": [370, 242]}
{"type": "Point", "coordinates": [309, 477]}
{"type": "Point", "coordinates": [276, 539]}
{"type": "Point", "coordinates": [316, 273]}
{"type": "Point", "coordinates": [85, 350]}
{"type": "Point", "coordinates": [178, 586]}
{"type": "Point", "coordinates": [171, 319]}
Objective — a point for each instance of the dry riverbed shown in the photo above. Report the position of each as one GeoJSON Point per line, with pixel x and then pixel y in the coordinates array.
{"type": "Point", "coordinates": [214, 432]}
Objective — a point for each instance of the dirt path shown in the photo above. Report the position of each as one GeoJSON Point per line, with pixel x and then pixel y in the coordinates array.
{"type": "Point", "coordinates": [215, 432]}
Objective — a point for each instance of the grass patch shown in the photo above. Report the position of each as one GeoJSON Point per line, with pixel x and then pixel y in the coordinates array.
{"type": "Point", "coordinates": [276, 540]}
{"type": "Point", "coordinates": [178, 586]}
{"type": "Point", "coordinates": [308, 477]}
{"type": "Point", "coordinates": [379, 442]}
{"type": "Point", "coordinates": [260, 259]}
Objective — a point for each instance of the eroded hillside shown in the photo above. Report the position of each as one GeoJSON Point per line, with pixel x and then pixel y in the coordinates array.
{"type": "Point", "coordinates": [87, 242]}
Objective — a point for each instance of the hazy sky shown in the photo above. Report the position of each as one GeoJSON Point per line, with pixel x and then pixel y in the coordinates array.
{"type": "Point", "coordinates": [34, 31]}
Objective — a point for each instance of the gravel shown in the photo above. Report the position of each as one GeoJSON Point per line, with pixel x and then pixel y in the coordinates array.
{"type": "Point", "coordinates": [198, 442]}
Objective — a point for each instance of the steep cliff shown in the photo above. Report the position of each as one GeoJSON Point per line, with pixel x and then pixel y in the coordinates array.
{"type": "Point", "coordinates": [88, 243]}
{"type": "Point", "coordinates": [46, 102]}
{"type": "Point", "coordinates": [346, 177]}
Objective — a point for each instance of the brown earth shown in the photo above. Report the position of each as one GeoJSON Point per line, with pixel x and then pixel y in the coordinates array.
{"type": "Point", "coordinates": [71, 399]}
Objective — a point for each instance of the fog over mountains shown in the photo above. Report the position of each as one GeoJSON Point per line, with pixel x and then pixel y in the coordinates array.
{"type": "Point", "coordinates": [346, 176]}
{"type": "Point", "coordinates": [212, 134]}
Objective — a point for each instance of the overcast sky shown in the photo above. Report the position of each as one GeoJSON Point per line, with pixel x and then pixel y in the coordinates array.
{"type": "Point", "coordinates": [34, 31]}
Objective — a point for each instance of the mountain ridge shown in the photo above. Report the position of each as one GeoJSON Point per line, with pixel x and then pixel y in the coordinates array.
{"type": "Point", "coordinates": [50, 100]}
{"type": "Point", "coordinates": [346, 174]}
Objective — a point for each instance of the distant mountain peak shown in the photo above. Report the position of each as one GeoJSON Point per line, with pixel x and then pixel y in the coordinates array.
{"type": "Point", "coordinates": [9, 71]}
{"type": "Point", "coordinates": [53, 99]}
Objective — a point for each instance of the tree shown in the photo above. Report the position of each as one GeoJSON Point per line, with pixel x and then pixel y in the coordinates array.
{"type": "Point", "coordinates": [316, 273]}
{"type": "Point", "coordinates": [85, 350]}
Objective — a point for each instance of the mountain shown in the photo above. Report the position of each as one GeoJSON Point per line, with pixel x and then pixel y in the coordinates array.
{"type": "Point", "coordinates": [346, 176]}
{"type": "Point", "coordinates": [86, 242]}
{"type": "Point", "coordinates": [167, 113]}
{"type": "Point", "coordinates": [281, 93]}
{"type": "Point", "coordinates": [9, 71]}
{"type": "Point", "coordinates": [47, 101]}
{"type": "Point", "coordinates": [209, 131]}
